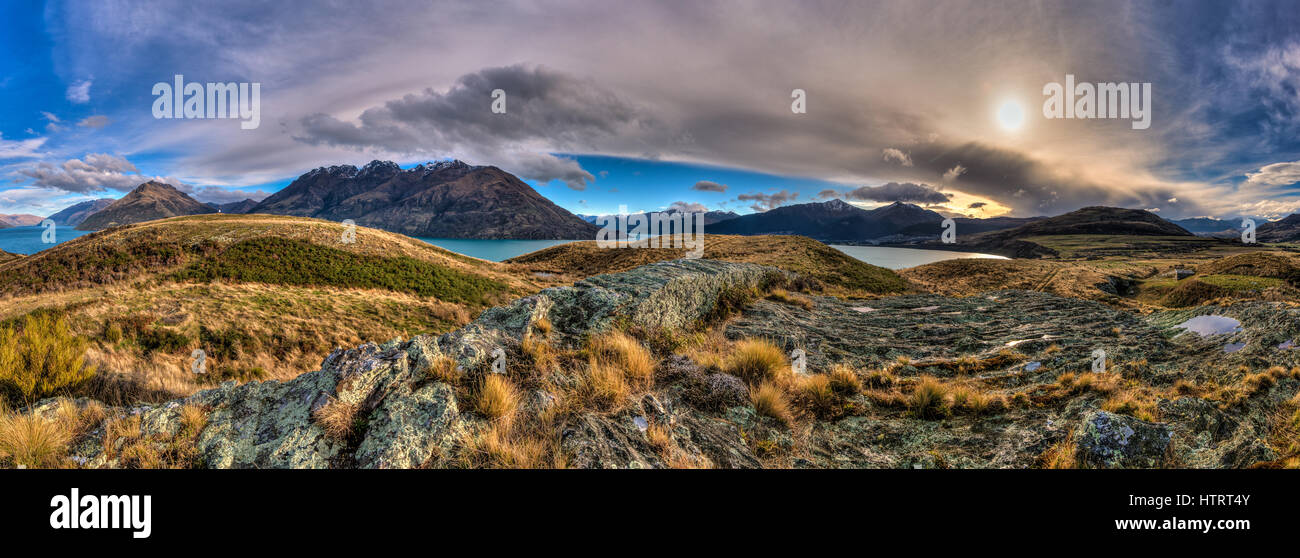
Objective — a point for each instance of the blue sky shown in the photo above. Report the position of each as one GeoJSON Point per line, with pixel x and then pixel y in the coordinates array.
{"type": "Point", "coordinates": [634, 104]}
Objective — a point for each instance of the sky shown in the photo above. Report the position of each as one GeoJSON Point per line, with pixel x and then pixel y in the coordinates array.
{"type": "Point", "coordinates": [651, 105]}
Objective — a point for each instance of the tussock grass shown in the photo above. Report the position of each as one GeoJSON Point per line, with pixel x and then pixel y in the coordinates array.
{"type": "Point", "coordinates": [770, 401]}
{"type": "Point", "coordinates": [929, 399]}
{"type": "Point", "coordinates": [603, 387]}
{"type": "Point", "coordinates": [615, 349]}
{"type": "Point", "coordinates": [497, 399]}
{"type": "Point", "coordinates": [32, 441]}
{"type": "Point", "coordinates": [757, 361]}
{"type": "Point", "coordinates": [337, 418]}
{"type": "Point", "coordinates": [845, 381]}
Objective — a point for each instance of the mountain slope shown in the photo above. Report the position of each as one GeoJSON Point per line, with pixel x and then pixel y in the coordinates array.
{"type": "Point", "coordinates": [237, 207]}
{"type": "Point", "coordinates": [1284, 230]}
{"type": "Point", "coordinates": [147, 202]}
{"type": "Point", "coordinates": [446, 200]}
{"type": "Point", "coordinates": [831, 221]}
{"type": "Point", "coordinates": [73, 215]}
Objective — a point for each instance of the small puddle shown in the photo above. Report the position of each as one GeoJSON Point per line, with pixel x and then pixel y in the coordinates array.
{"type": "Point", "coordinates": [641, 423]}
{"type": "Point", "coordinates": [1032, 366]}
{"type": "Point", "coordinates": [1211, 325]}
{"type": "Point", "coordinates": [863, 309]}
{"type": "Point", "coordinates": [1286, 345]}
{"type": "Point", "coordinates": [1233, 347]}
{"type": "Point", "coordinates": [926, 308]}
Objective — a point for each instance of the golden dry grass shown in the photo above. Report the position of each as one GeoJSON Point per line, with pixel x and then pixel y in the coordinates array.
{"type": "Point", "coordinates": [337, 418]}
{"type": "Point", "coordinates": [756, 361]}
{"type": "Point", "coordinates": [770, 401]}
{"type": "Point", "coordinates": [497, 399]}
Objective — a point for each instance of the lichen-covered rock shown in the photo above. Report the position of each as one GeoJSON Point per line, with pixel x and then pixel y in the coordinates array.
{"type": "Point", "coordinates": [1108, 440]}
{"type": "Point", "coordinates": [408, 429]}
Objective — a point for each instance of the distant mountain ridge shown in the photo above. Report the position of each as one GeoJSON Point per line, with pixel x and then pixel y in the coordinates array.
{"type": "Point", "coordinates": [148, 201]}
{"type": "Point", "coordinates": [836, 221]}
{"type": "Point", "coordinates": [21, 220]}
{"type": "Point", "coordinates": [235, 207]}
{"type": "Point", "coordinates": [73, 215]}
{"type": "Point", "coordinates": [449, 199]}
{"type": "Point", "coordinates": [1283, 230]}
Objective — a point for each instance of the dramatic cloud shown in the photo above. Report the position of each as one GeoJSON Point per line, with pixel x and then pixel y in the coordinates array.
{"type": "Point", "coordinates": [97, 121]}
{"type": "Point", "coordinates": [1276, 174]}
{"type": "Point", "coordinates": [952, 173]}
{"type": "Point", "coordinates": [899, 192]}
{"type": "Point", "coordinates": [976, 205]}
{"type": "Point", "coordinates": [898, 156]}
{"type": "Point", "coordinates": [79, 92]}
{"type": "Point", "coordinates": [709, 186]}
{"type": "Point", "coordinates": [764, 202]}
{"type": "Point", "coordinates": [96, 173]}
{"type": "Point", "coordinates": [827, 194]}
{"type": "Point", "coordinates": [542, 108]}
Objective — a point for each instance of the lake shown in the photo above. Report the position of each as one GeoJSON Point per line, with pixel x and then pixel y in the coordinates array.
{"type": "Point", "coordinates": [27, 240]}
{"type": "Point", "coordinates": [491, 249]}
{"type": "Point", "coordinates": [899, 258]}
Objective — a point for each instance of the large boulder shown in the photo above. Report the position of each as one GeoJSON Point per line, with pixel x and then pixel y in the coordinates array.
{"type": "Point", "coordinates": [1108, 440]}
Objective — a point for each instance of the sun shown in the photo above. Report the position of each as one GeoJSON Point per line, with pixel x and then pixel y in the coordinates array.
{"type": "Point", "coordinates": [1011, 115]}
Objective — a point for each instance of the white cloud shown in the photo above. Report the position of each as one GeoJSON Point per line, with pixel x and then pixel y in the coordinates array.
{"type": "Point", "coordinates": [79, 92]}
{"type": "Point", "coordinates": [1276, 174]}
{"type": "Point", "coordinates": [96, 173]}
{"type": "Point", "coordinates": [50, 116]}
{"type": "Point", "coordinates": [96, 121]}
{"type": "Point", "coordinates": [19, 149]}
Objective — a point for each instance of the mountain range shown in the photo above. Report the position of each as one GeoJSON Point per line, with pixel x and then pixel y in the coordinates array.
{"type": "Point", "coordinates": [148, 201]}
{"type": "Point", "coordinates": [449, 199]}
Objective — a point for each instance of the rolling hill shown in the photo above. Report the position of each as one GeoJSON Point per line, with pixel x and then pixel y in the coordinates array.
{"type": "Point", "coordinates": [840, 273]}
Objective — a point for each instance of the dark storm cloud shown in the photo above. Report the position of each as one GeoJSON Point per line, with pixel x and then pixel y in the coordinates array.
{"type": "Point", "coordinates": [541, 106]}
{"type": "Point", "coordinates": [899, 192]}
{"type": "Point", "coordinates": [764, 202]}
{"type": "Point", "coordinates": [709, 186]}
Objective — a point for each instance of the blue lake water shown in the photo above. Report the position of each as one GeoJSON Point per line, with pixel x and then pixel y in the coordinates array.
{"type": "Point", "coordinates": [492, 250]}
{"type": "Point", "coordinates": [27, 240]}
{"type": "Point", "coordinates": [900, 258]}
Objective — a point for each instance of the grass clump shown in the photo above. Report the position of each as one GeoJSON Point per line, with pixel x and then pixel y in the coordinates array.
{"type": "Point", "coordinates": [756, 361]}
{"type": "Point", "coordinates": [31, 441]}
{"type": "Point", "coordinates": [337, 418]}
{"type": "Point", "coordinates": [619, 350]}
{"type": "Point", "coordinates": [929, 399]}
{"type": "Point", "coordinates": [497, 399]}
{"type": "Point", "coordinates": [770, 401]}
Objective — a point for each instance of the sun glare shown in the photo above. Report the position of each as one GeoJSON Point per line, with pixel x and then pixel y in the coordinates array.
{"type": "Point", "coordinates": [1011, 115]}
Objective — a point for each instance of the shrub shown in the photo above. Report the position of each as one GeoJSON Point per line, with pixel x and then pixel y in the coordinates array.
{"type": "Point", "coordinates": [41, 360]}
{"type": "Point", "coordinates": [756, 361]}
{"type": "Point", "coordinates": [881, 379]}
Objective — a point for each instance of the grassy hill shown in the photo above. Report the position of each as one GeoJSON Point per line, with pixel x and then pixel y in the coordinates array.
{"type": "Point", "coordinates": [263, 296]}
{"type": "Point", "coordinates": [839, 273]}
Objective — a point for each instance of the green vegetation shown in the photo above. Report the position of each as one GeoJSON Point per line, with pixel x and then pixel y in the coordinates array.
{"type": "Point", "coordinates": [42, 359]}
{"type": "Point", "coordinates": [296, 262]}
